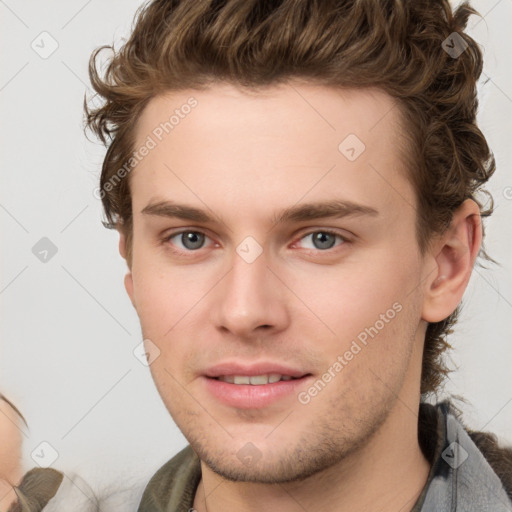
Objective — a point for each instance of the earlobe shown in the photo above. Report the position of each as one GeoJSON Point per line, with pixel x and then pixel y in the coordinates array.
{"type": "Point", "coordinates": [454, 257]}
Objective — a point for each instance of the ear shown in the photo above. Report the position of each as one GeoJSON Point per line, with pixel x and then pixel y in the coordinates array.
{"type": "Point", "coordinates": [453, 255]}
{"type": "Point", "coordinates": [128, 279]}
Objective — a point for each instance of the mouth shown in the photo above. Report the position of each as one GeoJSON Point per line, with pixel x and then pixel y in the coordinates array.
{"type": "Point", "coordinates": [257, 380]}
{"type": "Point", "coordinates": [256, 391]}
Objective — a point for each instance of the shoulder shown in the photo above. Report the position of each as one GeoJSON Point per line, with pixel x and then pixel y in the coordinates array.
{"type": "Point", "coordinates": [174, 484]}
{"type": "Point", "coordinates": [473, 460]}
{"type": "Point", "coordinates": [37, 488]}
{"type": "Point", "coordinates": [498, 457]}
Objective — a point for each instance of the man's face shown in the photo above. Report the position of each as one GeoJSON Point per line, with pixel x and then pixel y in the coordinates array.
{"type": "Point", "coordinates": [335, 298]}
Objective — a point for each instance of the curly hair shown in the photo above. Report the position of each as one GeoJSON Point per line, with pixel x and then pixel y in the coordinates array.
{"type": "Point", "coordinates": [399, 46]}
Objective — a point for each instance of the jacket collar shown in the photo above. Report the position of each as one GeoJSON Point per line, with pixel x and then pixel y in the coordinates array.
{"type": "Point", "coordinates": [460, 478]}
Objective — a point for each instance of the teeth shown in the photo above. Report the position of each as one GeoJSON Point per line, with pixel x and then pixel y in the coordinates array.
{"type": "Point", "coordinates": [256, 380]}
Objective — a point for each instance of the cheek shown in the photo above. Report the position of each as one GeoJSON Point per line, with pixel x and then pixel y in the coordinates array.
{"type": "Point", "coordinates": [353, 295]}
{"type": "Point", "coordinates": [169, 299]}
{"type": "Point", "coordinates": [158, 303]}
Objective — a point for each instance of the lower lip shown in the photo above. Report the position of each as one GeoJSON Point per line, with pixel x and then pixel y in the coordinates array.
{"type": "Point", "coordinates": [248, 396]}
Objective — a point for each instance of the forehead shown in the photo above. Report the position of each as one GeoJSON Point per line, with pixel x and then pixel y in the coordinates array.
{"type": "Point", "coordinates": [284, 141]}
{"type": "Point", "coordinates": [300, 108]}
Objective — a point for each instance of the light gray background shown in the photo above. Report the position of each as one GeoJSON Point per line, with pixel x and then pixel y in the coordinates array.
{"type": "Point", "coordinates": [68, 328]}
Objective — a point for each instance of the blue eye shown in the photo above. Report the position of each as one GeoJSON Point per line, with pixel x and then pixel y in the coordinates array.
{"type": "Point", "coordinates": [323, 240]}
{"type": "Point", "coordinates": [190, 240]}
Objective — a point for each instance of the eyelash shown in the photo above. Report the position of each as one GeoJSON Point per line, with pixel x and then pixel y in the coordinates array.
{"type": "Point", "coordinates": [344, 240]}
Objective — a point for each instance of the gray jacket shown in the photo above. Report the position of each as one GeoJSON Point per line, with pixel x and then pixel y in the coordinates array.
{"type": "Point", "coordinates": [460, 478]}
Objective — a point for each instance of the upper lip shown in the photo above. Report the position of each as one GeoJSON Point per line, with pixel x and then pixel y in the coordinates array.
{"type": "Point", "coordinates": [250, 370]}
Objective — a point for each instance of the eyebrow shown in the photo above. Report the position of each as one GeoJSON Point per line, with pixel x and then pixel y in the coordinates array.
{"type": "Point", "coordinates": [297, 213]}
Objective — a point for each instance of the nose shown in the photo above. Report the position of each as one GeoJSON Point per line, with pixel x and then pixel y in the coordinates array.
{"type": "Point", "coordinates": [250, 300]}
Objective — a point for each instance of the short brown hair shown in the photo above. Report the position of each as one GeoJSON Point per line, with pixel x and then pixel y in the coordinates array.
{"type": "Point", "coordinates": [394, 45]}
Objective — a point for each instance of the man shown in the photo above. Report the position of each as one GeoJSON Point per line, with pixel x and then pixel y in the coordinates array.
{"type": "Point", "coordinates": [295, 187]}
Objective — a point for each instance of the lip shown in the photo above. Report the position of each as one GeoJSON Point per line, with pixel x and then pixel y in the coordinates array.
{"type": "Point", "coordinates": [263, 368]}
{"type": "Point", "coordinates": [249, 396]}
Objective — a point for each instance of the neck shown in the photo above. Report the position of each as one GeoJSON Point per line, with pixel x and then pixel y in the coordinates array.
{"type": "Point", "coordinates": [387, 474]}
